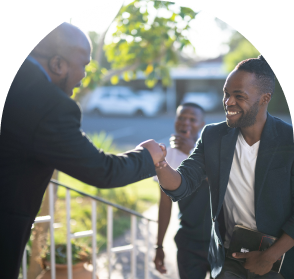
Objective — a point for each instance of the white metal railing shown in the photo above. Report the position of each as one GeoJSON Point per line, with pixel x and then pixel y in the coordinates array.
{"type": "Point", "coordinates": [110, 249]}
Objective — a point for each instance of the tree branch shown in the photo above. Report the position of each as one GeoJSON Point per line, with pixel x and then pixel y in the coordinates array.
{"type": "Point", "coordinates": [99, 52]}
{"type": "Point", "coordinates": [118, 72]}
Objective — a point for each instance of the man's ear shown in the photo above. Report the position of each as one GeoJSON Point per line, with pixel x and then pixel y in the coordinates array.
{"type": "Point", "coordinates": [266, 98]}
{"type": "Point", "coordinates": [58, 66]}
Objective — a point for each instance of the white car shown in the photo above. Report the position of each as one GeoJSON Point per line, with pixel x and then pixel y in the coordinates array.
{"type": "Point", "coordinates": [122, 100]}
{"type": "Point", "coordinates": [208, 100]}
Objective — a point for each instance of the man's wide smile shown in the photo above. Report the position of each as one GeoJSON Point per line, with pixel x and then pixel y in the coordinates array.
{"type": "Point", "coordinates": [230, 113]}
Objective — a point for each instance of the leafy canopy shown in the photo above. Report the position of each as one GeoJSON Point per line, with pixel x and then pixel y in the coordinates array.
{"type": "Point", "coordinates": [148, 36]}
{"type": "Point", "coordinates": [240, 49]}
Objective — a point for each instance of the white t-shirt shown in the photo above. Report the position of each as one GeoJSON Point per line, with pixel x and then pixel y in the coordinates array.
{"type": "Point", "coordinates": [238, 203]}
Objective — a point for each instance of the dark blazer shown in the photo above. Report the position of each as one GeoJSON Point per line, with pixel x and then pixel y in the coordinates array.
{"type": "Point", "coordinates": [40, 132]}
{"type": "Point", "coordinates": [274, 182]}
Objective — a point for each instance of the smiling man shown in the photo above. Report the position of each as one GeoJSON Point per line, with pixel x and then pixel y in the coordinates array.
{"type": "Point", "coordinates": [249, 163]}
{"type": "Point", "coordinates": [40, 132]}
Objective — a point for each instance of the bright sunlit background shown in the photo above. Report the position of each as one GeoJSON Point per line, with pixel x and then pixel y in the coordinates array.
{"type": "Point", "coordinates": [206, 35]}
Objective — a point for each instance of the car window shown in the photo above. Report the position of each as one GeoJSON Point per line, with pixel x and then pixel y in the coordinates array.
{"type": "Point", "coordinates": [120, 96]}
{"type": "Point", "coordinates": [105, 95]}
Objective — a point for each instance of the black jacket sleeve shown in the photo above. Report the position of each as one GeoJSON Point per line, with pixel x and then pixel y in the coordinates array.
{"type": "Point", "coordinates": [59, 142]}
{"type": "Point", "coordinates": [192, 171]}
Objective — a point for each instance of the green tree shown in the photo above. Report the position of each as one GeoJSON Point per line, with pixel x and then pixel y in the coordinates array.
{"type": "Point", "coordinates": [94, 72]}
{"type": "Point", "coordinates": [148, 37]}
{"type": "Point", "coordinates": [240, 49]}
{"type": "Point", "coordinates": [98, 54]}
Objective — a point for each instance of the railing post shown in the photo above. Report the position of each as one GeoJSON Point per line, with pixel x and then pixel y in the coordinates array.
{"type": "Point", "coordinates": [52, 243]}
{"type": "Point", "coordinates": [68, 240]}
{"type": "Point", "coordinates": [110, 250]}
{"type": "Point", "coordinates": [109, 237]}
{"type": "Point", "coordinates": [94, 229]}
{"type": "Point", "coordinates": [134, 251]}
{"type": "Point", "coordinates": [24, 264]}
{"type": "Point", "coordinates": [147, 251]}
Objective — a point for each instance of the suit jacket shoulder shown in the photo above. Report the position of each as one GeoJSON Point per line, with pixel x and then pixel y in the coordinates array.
{"type": "Point", "coordinates": [216, 130]}
{"type": "Point", "coordinates": [31, 97]}
{"type": "Point", "coordinates": [283, 129]}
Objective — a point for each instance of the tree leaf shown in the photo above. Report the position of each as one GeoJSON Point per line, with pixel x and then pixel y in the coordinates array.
{"type": "Point", "coordinates": [149, 69]}
{"type": "Point", "coordinates": [114, 79]}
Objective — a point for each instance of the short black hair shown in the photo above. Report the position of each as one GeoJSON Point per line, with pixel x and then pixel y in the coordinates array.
{"type": "Point", "coordinates": [263, 72]}
{"type": "Point", "coordinates": [194, 105]}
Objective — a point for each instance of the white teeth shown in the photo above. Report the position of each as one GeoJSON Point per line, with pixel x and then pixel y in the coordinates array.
{"type": "Point", "coordinates": [233, 112]}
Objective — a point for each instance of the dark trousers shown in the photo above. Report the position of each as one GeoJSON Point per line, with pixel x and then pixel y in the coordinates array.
{"type": "Point", "coordinates": [192, 264]}
{"type": "Point", "coordinates": [234, 270]}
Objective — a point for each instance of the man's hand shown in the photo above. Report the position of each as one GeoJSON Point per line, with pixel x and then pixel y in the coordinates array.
{"type": "Point", "coordinates": [257, 262]}
{"type": "Point", "coordinates": [159, 261]}
{"type": "Point", "coordinates": [160, 165]}
{"type": "Point", "coordinates": [183, 142]}
{"type": "Point", "coordinates": [157, 151]}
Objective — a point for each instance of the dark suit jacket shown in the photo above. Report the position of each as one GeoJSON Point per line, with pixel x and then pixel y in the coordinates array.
{"type": "Point", "coordinates": [274, 182]}
{"type": "Point", "coordinates": [40, 132]}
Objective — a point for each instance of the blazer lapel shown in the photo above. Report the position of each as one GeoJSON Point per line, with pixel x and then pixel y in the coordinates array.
{"type": "Point", "coordinates": [228, 144]}
{"type": "Point", "coordinates": [267, 148]}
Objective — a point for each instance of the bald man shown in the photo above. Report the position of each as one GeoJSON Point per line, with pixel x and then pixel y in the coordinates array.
{"type": "Point", "coordinates": [40, 132]}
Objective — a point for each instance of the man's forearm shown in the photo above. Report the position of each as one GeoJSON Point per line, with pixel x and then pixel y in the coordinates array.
{"type": "Point", "coordinates": [164, 213]}
{"type": "Point", "coordinates": [169, 178]}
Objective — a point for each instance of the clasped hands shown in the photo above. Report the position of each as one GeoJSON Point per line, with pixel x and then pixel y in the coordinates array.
{"type": "Point", "coordinates": [157, 152]}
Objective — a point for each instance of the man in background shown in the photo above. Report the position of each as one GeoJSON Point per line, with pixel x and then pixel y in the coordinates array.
{"type": "Point", "coordinates": [40, 132]}
{"type": "Point", "coordinates": [192, 238]}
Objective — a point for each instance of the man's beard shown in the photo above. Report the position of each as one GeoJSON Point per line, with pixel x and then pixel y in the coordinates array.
{"type": "Point", "coordinates": [246, 120]}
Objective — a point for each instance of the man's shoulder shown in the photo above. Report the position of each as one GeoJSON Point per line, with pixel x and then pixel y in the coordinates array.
{"type": "Point", "coordinates": [216, 128]}
{"type": "Point", "coordinates": [31, 88]}
{"type": "Point", "coordinates": [219, 125]}
{"type": "Point", "coordinates": [284, 130]}
{"type": "Point", "coordinates": [31, 98]}
{"type": "Point", "coordinates": [280, 124]}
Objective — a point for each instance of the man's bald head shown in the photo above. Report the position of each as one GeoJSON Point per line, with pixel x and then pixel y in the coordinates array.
{"type": "Point", "coordinates": [64, 53]}
{"type": "Point", "coordinates": [61, 41]}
